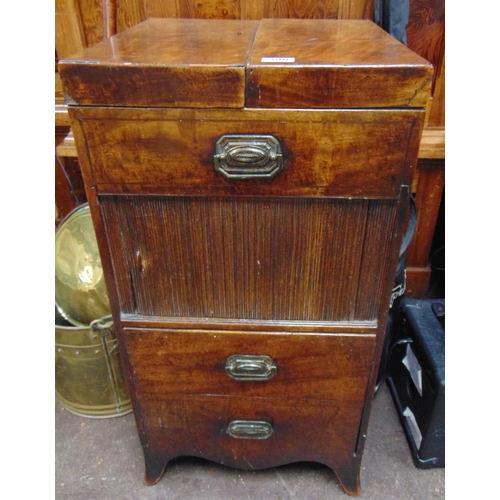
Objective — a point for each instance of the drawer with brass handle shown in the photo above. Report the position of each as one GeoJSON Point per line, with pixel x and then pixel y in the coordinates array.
{"type": "Point", "coordinates": [251, 433]}
{"type": "Point", "coordinates": [254, 151]}
{"type": "Point", "coordinates": [333, 366]}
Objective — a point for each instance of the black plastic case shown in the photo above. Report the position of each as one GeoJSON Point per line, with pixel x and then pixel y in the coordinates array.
{"type": "Point", "coordinates": [417, 378]}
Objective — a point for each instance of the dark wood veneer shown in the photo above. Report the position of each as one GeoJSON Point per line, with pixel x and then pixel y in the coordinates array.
{"type": "Point", "coordinates": [167, 362]}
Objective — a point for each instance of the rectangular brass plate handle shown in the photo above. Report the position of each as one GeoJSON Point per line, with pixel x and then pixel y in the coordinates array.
{"type": "Point", "coordinates": [250, 429]}
{"type": "Point", "coordinates": [248, 156]}
{"type": "Point", "coordinates": [250, 367]}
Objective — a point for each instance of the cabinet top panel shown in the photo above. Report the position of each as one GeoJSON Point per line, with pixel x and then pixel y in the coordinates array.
{"type": "Point", "coordinates": [272, 63]}
{"type": "Point", "coordinates": [306, 63]}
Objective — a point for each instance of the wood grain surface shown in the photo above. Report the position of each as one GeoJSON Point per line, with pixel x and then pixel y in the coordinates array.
{"type": "Point", "coordinates": [130, 12]}
{"type": "Point", "coordinates": [253, 258]}
{"type": "Point", "coordinates": [344, 64]}
{"type": "Point", "coordinates": [320, 431]}
{"type": "Point", "coordinates": [196, 63]}
{"type": "Point", "coordinates": [425, 32]}
{"type": "Point", "coordinates": [329, 366]}
{"type": "Point", "coordinates": [163, 62]}
{"type": "Point", "coordinates": [326, 153]}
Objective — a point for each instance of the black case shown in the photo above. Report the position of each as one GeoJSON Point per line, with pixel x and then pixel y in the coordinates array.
{"type": "Point", "coordinates": [420, 398]}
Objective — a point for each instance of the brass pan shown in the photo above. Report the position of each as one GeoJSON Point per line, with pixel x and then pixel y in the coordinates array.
{"type": "Point", "coordinates": [81, 295]}
{"type": "Point", "coordinates": [89, 375]}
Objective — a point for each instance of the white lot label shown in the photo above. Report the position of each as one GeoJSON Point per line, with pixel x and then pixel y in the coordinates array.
{"type": "Point", "coordinates": [278, 59]}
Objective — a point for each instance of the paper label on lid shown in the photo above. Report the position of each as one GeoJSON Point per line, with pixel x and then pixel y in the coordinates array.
{"type": "Point", "coordinates": [277, 59]}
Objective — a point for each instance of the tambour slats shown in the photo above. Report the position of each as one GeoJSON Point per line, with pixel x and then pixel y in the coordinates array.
{"type": "Point", "coordinates": [249, 257]}
{"type": "Point", "coordinates": [118, 258]}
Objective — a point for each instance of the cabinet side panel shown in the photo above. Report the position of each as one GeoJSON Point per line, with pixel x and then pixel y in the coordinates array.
{"type": "Point", "coordinates": [251, 258]}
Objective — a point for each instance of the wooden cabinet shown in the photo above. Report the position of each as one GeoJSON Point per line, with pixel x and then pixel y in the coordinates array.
{"type": "Point", "coordinates": [248, 182]}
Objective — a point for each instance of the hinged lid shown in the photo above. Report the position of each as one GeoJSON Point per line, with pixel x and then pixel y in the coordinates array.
{"type": "Point", "coordinates": [272, 63]}
{"type": "Point", "coordinates": [182, 63]}
{"type": "Point", "coordinates": [310, 63]}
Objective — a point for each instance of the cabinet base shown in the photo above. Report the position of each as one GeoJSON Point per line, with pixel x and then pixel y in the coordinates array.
{"type": "Point", "coordinates": [347, 476]}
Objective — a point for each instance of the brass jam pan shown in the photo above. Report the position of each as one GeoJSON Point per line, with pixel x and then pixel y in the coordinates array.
{"type": "Point", "coordinates": [80, 288]}
{"type": "Point", "coordinates": [89, 378]}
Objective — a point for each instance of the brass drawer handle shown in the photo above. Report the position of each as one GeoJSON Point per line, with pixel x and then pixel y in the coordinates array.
{"type": "Point", "coordinates": [250, 367]}
{"type": "Point", "coordinates": [250, 429]}
{"type": "Point", "coordinates": [248, 156]}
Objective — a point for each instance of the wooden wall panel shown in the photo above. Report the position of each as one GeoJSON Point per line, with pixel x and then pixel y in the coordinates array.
{"type": "Point", "coordinates": [161, 8]}
{"type": "Point", "coordinates": [130, 12]}
{"type": "Point", "coordinates": [436, 114]}
{"type": "Point", "coordinates": [65, 201]}
{"type": "Point", "coordinates": [210, 9]}
{"type": "Point", "coordinates": [92, 20]}
{"type": "Point", "coordinates": [425, 33]}
{"type": "Point", "coordinates": [68, 184]}
{"type": "Point", "coordinates": [425, 29]}
{"type": "Point", "coordinates": [328, 9]}
{"type": "Point", "coordinates": [70, 33]}
{"type": "Point", "coordinates": [81, 23]}
{"type": "Point", "coordinates": [428, 199]}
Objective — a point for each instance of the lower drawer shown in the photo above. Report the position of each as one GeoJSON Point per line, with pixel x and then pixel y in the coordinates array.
{"type": "Point", "coordinates": [252, 364]}
{"type": "Point", "coordinates": [251, 433]}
